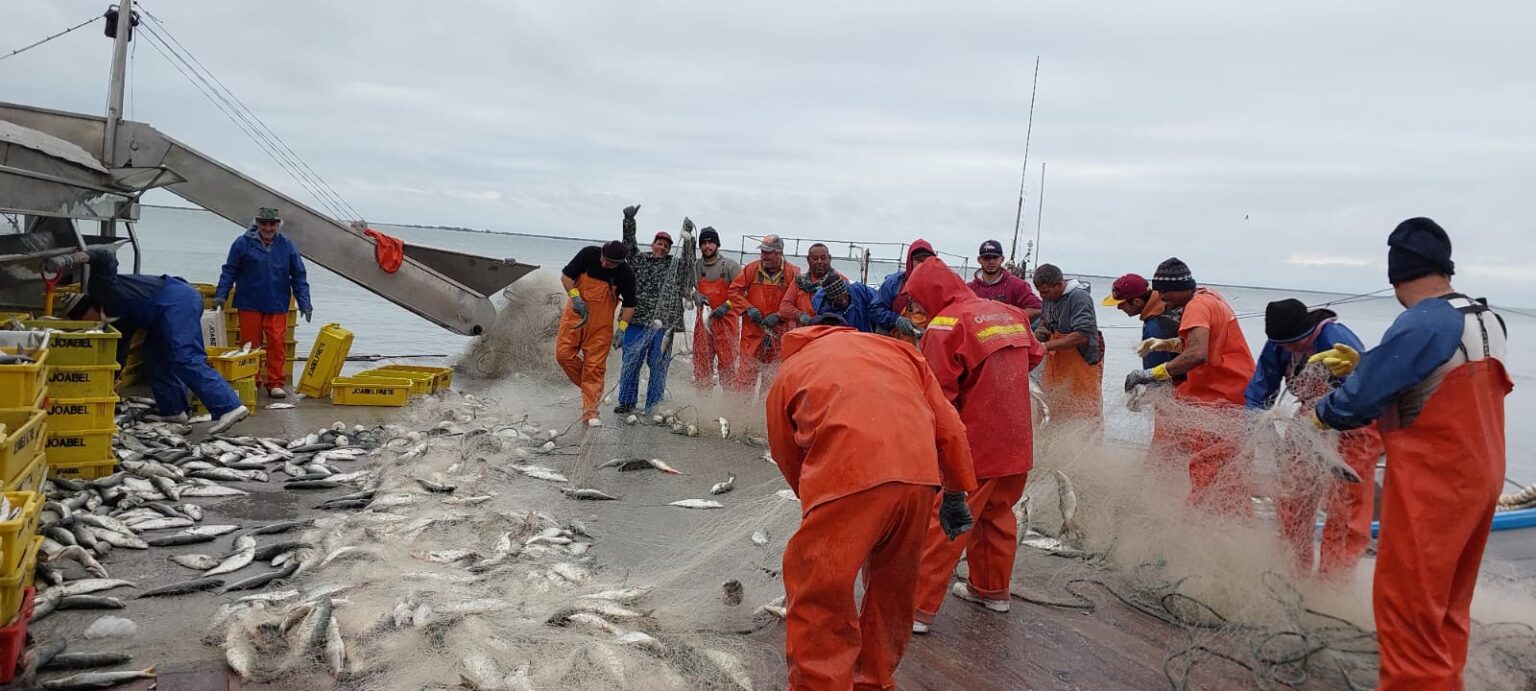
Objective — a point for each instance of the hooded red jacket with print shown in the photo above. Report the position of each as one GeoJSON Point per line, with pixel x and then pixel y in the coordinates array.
{"type": "Point", "coordinates": [981, 351]}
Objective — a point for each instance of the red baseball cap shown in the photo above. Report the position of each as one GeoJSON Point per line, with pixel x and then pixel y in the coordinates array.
{"type": "Point", "coordinates": [663, 235]}
{"type": "Point", "coordinates": [1126, 287]}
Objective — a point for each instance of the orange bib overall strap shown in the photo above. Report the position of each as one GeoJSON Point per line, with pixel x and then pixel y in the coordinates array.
{"type": "Point", "coordinates": [583, 351]}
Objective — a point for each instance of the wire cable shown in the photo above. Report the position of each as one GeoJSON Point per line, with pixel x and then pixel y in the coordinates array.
{"type": "Point", "coordinates": [26, 48]}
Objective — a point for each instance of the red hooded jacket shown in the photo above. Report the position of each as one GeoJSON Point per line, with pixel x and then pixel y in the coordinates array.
{"type": "Point", "coordinates": [849, 411]}
{"type": "Point", "coordinates": [981, 351]}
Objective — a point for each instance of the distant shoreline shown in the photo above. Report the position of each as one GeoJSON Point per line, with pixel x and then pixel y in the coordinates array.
{"type": "Point", "coordinates": [460, 229]}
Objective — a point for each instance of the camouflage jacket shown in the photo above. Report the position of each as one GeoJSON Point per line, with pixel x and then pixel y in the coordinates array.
{"type": "Point", "coordinates": [662, 284]}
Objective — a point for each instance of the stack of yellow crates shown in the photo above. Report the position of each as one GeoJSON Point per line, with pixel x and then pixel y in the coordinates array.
{"type": "Point", "coordinates": [23, 418]}
{"type": "Point", "coordinates": [239, 369]}
{"type": "Point", "coordinates": [19, 545]}
{"type": "Point", "coordinates": [290, 343]}
{"type": "Point", "coordinates": [82, 399]}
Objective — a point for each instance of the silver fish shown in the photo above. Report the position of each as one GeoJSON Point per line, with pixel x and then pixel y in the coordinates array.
{"type": "Point", "coordinates": [87, 586]}
{"type": "Point", "coordinates": [97, 680]}
{"type": "Point", "coordinates": [281, 406]}
{"type": "Point", "coordinates": [244, 554]}
{"type": "Point", "coordinates": [542, 473]}
{"type": "Point", "coordinates": [697, 504]}
{"type": "Point", "coordinates": [200, 562]}
{"type": "Point", "coordinates": [725, 427]}
{"type": "Point", "coordinates": [1067, 499]}
{"type": "Point", "coordinates": [208, 491]}
{"type": "Point", "coordinates": [723, 487]}
{"type": "Point", "coordinates": [589, 494]}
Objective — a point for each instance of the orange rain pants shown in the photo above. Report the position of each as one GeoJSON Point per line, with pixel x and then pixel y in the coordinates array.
{"type": "Point", "coordinates": [989, 547]}
{"type": "Point", "coordinates": [1074, 388]}
{"type": "Point", "coordinates": [1444, 473]}
{"type": "Point", "coordinates": [583, 352]}
{"type": "Point", "coordinates": [715, 340]}
{"type": "Point", "coordinates": [1218, 482]}
{"type": "Point", "coordinates": [1347, 529]}
{"type": "Point", "coordinates": [754, 288]}
{"type": "Point", "coordinates": [267, 331]}
{"type": "Point", "coordinates": [831, 641]}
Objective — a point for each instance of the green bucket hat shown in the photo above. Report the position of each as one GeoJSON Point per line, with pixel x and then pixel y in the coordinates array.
{"type": "Point", "coordinates": [267, 214]}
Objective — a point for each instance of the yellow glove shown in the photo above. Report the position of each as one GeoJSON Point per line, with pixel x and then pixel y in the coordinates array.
{"type": "Point", "coordinates": [1154, 345]}
{"type": "Point", "coordinates": [1160, 372]}
{"type": "Point", "coordinates": [1340, 359]}
{"type": "Point", "coordinates": [573, 292]}
{"type": "Point", "coordinates": [1317, 421]}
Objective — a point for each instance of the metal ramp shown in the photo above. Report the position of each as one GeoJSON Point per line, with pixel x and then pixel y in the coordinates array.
{"type": "Point", "coordinates": [448, 288]}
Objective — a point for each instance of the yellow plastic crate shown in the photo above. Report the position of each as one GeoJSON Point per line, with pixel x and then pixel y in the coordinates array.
{"type": "Point", "coordinates": [31, 479]}
{"type": "Point", "coordinates": [81, 381]}
{"type": "Point", "coordinates": [14, 584]}
{"type": "Point", "coordinates": [87, 470]}
{"type": "Point", "coordinates": [131, 375]}
{"type": "Point", "coordinates": [442, 377]}
{"type": "Point", "coordinates": [326, 357]}
{"type": "Point", "coordinates": [23, 438]}
{"type": "Point", "coordinates": [244, 388]}
{"type": "Point", "coordinates": [70, 414]}
{"type": "Point", "coordinates": [7, 316]}
{"type": "Point", "coordinates": [421, 382]}
{"type": "Point", "coordinates": [21, 385]}
{"type": "Point", "coordinates": [231, 366]}
{"type": "Point", "coordinates": [15, 534]}
{"type": "Point", "coordinates": [374, 391]}
{"type": "Point", "coordinates": [70, 346]}
{"type": "Point", "coordinates": [79, 445]}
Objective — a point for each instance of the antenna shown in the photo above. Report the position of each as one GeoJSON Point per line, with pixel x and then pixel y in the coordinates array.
{"type": "Point", "coordinates": [1024, 170]}
{"type": "Point", "coordinates": [1039, 213]}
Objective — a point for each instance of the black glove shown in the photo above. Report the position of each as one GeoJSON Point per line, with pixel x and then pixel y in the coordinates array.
{"type": "Point", "coordinates": [721, 311]}
{"type": "Point", "coordinates": [1137, 377]}
{"type": "Point", "coordinates": [954, 515]}
{"type": "Point", "coordinates": [700, 299]}
{"type": "Point", "coordinates": [755, 315]}
{"type": "Point", "coordinates": [687, 227]}
{"type": "Point", "coordinates": [630, 211]}
{"type": "Point", "coordinates": [905, 326]}
{"type": "Point", "coordinates": [218, 303]}
{"type": "Point", "coordinates": [805, 319]}
{"type": "Point", "coordinates": [1042, 334]}
{"type": "Point", "coordinates": [770, 321]}
{"type": "Point", "coordinates": [307, 314]}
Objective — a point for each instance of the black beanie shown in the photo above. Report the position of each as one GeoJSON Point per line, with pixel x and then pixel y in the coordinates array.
{"type": "Point", "coordinates": [1287, 320]}
{"type": "Point", "coordinates": [613, 251]}
{"type": "Point", "coordinates": [1418, 247]}
{"type": "Point", "coordinates": [1172, 275]}
{"type": "Point", "coordinates": [709, 234]}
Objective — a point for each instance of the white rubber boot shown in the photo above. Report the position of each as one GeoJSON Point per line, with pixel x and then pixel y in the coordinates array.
{"type": "Point", "coordinates": [229, 419]}
{"type": "Point", "coordinates": [962, 590]}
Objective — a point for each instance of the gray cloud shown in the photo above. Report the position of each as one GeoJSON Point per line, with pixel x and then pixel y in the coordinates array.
{"type": "Point", "coordinates": [1164, 124]}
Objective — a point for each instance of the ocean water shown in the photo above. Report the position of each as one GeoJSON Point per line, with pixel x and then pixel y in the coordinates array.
{"type": "Point", "coordinates": [193, 244]}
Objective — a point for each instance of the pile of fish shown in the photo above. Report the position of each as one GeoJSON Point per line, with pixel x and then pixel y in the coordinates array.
{"type": "Point", "coordinates": [148, 504]}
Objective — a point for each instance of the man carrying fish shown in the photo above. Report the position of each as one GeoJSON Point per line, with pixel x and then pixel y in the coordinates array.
{"type": "Point", "coordinates": [661, 287]}
{"type": "Point", "coordinates": [1216, 365]}
{"type": "Point", "coordinates": [598, 281]}
{"type": "Point", "coordinates": [1074, 348]}
{"type": "Point", "coordinates": [864, 436]}
{"type": "Point", "coordinates": [170, 312]}
{"type": "Point", "coordinates": [716, 330]}
{"type": "Point", "coordinates": [981, 351]}
{"type": "Point", "coordinates": [1133, 295]}
{"type": "Point", "coordinates": [1437, 383]}
{"type": "Point", "coordinates": [849, 301]}
{"type": "Point", "coordinates": [1300, 341]}
{"type": "Point", "coordinates": [796, 308]}
{"type": "Point", "coordinates": [893, 312]}
{"type": "Point", "coordinates": [269, 272]}
{"type": "Point", "coordinates": [756, 295]}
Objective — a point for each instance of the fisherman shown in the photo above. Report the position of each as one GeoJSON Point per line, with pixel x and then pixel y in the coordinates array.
{"type": "Point", "coordinates": [661, 287]}
{"type": "Point", "coordinates": [1437, 383]}
{"type": "Point", "coordinates": [756, 295]}
{"type": "Point", "coordinates": [796, 308]}
{"type": "Point", "coordinates": [864, 436]}
{"type": "Point", "coordinates": [993, 282]}
{"type": "Point", "coordinates": [893, 312]}
{"type": "Point", "coordinates": [849, 301]}
{"type": "Point", "coordinates": [170, 312]}
{"type": "Point", "coordinates": [980, 350]}
{"type": "Point", "coordinates": [1074, 348]}
{"type": "Point", "coordinates": [716, 330]}
{"type": "Point", "coordinates": [1216, 363]}
{"type": "Point", "coordinates": [1297, 336]}
{"type": "Point", "coordinates": [599, 281]}
{"type": "Point", "coordinates": [269, 273]}
{"type": "Point", "coordinates": [1133, 295]}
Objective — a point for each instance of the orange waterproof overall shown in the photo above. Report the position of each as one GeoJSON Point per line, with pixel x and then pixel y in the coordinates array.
{"type": "Point", "coordinates": [753, 287]}
{"type": "Point", "coordinates": [1074, 388]}
{"type": "Point", "coordinates": [1444, 472]}
{"type": "Point", "coordinates": [267, 331]}
{"type": "Point", "coordinates": [1347, 529]}
{"type": "Point", "coordinates": [715, 340]}
{"type": "Point", "coordinates": [583, 352]}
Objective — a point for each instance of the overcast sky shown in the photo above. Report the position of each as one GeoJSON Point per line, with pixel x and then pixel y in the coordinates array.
{"type": "Point", "coordinates": [1164, 125]}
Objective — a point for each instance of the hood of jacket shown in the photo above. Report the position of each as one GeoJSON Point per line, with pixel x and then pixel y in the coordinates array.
{"type": "Point", "coordinates": [252, 234]}
{"type": "Point", "coordinates": [935, 286]}
{"type": "Point", "coordinates": [799, 338]}
{"type": "Point", "coordinates": [918, 244]}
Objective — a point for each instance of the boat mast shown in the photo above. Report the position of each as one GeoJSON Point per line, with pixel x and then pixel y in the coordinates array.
{"type": "Point", "coordinates": [125, 16]}
{"type": "Point", "coordinates": [1024, 170]}
{"type": "Point", "coordinates": [1039, 214]}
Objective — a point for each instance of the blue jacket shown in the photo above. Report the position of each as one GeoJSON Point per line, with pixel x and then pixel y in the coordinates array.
{"type": "Point", "coordinates": [1161, 326]}
{"type": "Point", "coordinates": [125, 298]}
{"type": "Point", "coordinates": [1275, 364]}
{"type": "Point", "coordinates": [1419, 341]}
{"type": "Point", "coordinates": [860, 299]}
{"type": "Point", "coordinates": [266, 276]}
{"type": "Point", "coordinates": [881, 316]}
